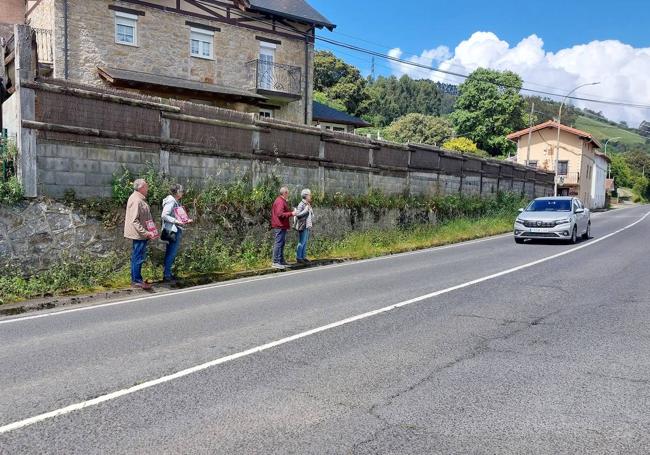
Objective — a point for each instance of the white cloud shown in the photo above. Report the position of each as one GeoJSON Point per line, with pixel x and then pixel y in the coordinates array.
{"type": "Point", "coordinates": [620, 68]}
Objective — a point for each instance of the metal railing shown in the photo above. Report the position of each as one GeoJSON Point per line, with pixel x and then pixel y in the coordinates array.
{"type": "Point", "coordinates": [275, 77]}
{"type": "Point", "coordinates": [44, 45]}
{"type": "Point", "coordinates": [570, 178]}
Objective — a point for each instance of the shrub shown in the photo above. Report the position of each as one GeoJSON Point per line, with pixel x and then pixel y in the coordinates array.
{"type": "Point", "coordinates": [11, 191]}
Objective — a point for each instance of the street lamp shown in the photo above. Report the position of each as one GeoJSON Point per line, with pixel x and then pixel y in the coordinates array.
{"type": "Point", "coordinates": [559, 125]}
{"type": "Point", "coordinates": [614, 139]}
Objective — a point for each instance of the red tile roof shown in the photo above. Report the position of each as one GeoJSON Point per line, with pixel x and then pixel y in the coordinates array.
{"type": "Point", "coordinates": [552, 124]}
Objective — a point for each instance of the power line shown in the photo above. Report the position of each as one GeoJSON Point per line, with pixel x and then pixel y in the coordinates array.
{"type": "Point", "coordinates": [466, 76]}
{"type": "Point", "coordinates": [430, 68]}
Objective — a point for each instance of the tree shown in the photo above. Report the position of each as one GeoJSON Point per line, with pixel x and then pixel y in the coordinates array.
{"type": "Point", "coordinates": [464, 145]}
{"type": "Point", "coordinates": [391, 98]}
{"type": "Point", "coordinates": [339, 82]}
{"type": "Point", "coordinates": [420, 129]}
{"type": "Point", "coordinates": [489, 108]}
{"type": "Point", "coordinates": [621, 172]}
{"type": "Point", "coordinates": [324, 99]}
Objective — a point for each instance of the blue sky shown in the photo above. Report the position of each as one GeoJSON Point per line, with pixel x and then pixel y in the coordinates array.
{"type": "Point", "coordinates": [524, 36]}
{"type": "Point", "coordinates": [420, 24]}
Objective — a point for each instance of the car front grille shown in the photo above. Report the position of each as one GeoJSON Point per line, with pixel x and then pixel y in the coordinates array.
{"type": "Point", "coordinates": [541, 234]}
{"type": "Point", "coordinates": [545, 224]}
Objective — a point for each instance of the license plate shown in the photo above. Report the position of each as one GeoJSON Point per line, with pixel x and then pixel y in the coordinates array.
{"type": "Point", "coordinates": [537, 230]}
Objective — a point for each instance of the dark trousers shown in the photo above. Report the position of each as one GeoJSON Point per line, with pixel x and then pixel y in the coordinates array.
{"type": "Point", "coordinates": [278, 245]}
{"type": "Point", "coordinates": [170, 254]}
{"type": "Point", "coordinates": [138, 256]}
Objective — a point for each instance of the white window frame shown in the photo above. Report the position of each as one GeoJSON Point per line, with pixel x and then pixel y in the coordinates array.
{"type": "Point", "coordinates": [203, 36]}
{"type": "Point", "coordinates": [264, 112]}
{"type": "Point", "coordinates": [127, 20]}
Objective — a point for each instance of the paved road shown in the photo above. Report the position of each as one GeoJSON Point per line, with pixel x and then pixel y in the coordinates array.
{"type": "Point", "coordinates": [551, 355]}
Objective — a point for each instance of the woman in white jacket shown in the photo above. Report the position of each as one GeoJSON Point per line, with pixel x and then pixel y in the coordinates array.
{"type": "Point", "coordinates": [172, 229]}
{"type": "Point", "coordinates": [303, 224]}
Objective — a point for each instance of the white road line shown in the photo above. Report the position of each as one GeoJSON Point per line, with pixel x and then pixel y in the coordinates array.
{"type": "Point", "coordinates": [145, 385]}
{"type": "Point", "coordinates": [266, 277]}
{"type": "Point", "coordinates": [246, 281]}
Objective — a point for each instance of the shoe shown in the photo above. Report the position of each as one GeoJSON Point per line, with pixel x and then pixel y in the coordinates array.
{"type": "Point", "coordinates": [170, 280]}
{"type": "Point", "coordinates": [284, 263]}
{"type": "Point", "coordinates": [142, 285]}
{"type": "Point", "coordinates": [301, 261]}
{"type": "Point", "coordinates": [275, 265]}
{"type": "Point", "coordinates": [306, 261]}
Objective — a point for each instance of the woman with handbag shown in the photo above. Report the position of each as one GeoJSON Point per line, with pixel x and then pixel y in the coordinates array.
{"type": "Point", "coordinates": [303, 224]}
{"type": "Point", "coordinates": [174, 219]}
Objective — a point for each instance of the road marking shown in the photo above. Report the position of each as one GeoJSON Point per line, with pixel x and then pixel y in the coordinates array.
{"type": "Point", "coordinates": [148, 384]}
{"type": "Point", "coordinates": [208, 287]}
{"type": "Point", "coordinates": [246, 281]}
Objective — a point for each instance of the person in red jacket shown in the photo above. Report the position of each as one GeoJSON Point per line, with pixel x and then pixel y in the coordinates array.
{"type": "Point", "coordinates": [280, 215]}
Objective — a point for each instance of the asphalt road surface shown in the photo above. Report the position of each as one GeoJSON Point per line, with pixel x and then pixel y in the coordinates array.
{"type": "Point", "coordinates": [482, 347]}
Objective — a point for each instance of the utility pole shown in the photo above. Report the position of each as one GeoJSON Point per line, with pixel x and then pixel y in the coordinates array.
{"type": "Point", "coordinates": [559, 128]}
{"type": "Point", "coordinates": [372, 69]}
{"type": "Point", "coordinates": [609, 174]}
{"type": "Point", "coordinates": [530, 130]}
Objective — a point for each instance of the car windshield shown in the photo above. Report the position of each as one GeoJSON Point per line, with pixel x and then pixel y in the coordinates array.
{"type": "Point", "coordinates": [550, 205]}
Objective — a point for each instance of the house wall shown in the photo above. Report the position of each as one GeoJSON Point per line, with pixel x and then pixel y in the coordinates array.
{"type": "Point", "coordinates": [543, 146]}
{"type": "Point", "coordinates": [598, 191]}
{"type": "Point", "coordinates": [580, 155]}
{"type": "Point", "coordinates": [163, 47]}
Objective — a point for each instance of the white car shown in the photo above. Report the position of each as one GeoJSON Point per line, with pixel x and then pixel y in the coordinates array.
{"type": "Point", "coordinates": [553, 218]}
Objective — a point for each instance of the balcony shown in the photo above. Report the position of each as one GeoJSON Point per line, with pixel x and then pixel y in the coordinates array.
{"type": "Point", "coordinates": [276, 81]}
{"type": "Point", "coordinates": [569, 179]}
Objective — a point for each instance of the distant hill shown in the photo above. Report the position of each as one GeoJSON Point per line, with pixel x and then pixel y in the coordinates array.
{"type": "Point", "coordinates": [602, 131]}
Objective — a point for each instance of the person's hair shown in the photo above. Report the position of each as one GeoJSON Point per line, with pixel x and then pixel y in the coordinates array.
{"type": "Point", "coordinates": [139, 183]}
{"type": "Point", "coordinates": [284, 190]}
{"type": "Point", "coordinates": [304, 193]}
{"type": "Point", "coordinates": [175, 189]}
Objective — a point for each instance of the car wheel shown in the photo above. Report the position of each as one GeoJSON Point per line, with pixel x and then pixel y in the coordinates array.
{"type": "Point", "coordinates": [574, 235]}
{"type": "Point", "coordinates": [587, 234]}
{"type": "Point", "coordinates": [519, 241]}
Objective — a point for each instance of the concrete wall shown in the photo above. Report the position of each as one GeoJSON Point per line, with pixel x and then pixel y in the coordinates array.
{"type": "Point", "coordinates": [81, 149]}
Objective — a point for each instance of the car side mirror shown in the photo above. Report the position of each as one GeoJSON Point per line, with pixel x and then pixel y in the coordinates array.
{"type": "Point", "coordinates": [521, 210]}
{"type": "Point", "coordinates": [580, 210]}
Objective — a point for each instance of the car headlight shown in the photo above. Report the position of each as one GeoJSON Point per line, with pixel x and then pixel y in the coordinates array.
{"type": "Point", "coordinates": [562, 221]}
{"type": "Point", "coordinates": [518, 221]}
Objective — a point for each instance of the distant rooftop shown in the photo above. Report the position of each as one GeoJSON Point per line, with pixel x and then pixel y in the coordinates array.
{"type": "Point", "coordinates": [298, 10]}
{"type": "Point", "coordinates": [324, 113]}
{"type": "Point", "coordinates": [553, 124]}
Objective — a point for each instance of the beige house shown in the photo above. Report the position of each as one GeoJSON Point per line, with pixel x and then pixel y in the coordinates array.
{"type": "Point", "coordinates": [249, 55]}
{"type": "Point", "coordinates": [582, 168]}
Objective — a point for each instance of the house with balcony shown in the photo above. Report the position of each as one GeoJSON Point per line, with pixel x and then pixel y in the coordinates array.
{"type": "Point", "coordinates": [581, 167]}
{"type": "Point", "coordinates": [253, 56]}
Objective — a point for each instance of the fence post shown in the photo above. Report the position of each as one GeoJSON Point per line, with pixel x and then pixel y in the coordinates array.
{"type": "Point", "coordinates": [165, 133]}
{"type": "Point", "coordinates": [371, 163]}
{"type": "Point", "coordinates": [26, 137]}
{"type": "Point", "coordinates": [321, 169]}
{"type": "Point", "coordinates": [255, 164]}
{"type": "Point", "coordinates": [408, 172]}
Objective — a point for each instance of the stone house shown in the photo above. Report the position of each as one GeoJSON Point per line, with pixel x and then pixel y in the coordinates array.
{"type": "Point", "coordinates": [582, 168]}
{"type": "Point", "coordinates": [253, 56]}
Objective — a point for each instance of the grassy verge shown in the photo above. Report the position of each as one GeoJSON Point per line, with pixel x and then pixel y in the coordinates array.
{"type": "Point", "coordinates": [218, 260]}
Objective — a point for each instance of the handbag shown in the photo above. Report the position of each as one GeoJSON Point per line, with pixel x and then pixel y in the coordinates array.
{"type": "Point", "coordinates": [168, 236]}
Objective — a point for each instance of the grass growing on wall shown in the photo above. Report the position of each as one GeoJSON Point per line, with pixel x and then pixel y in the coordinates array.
{"type": "Point", "coordinates": [214, 257]}
{"type": "Point", "coordinates": [226, 249]}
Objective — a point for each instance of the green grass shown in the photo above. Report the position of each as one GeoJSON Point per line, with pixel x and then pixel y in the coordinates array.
{"type": "Point", "coordinates": [218, 261]}
{"type": "Point", "coordinates": [602, 131]}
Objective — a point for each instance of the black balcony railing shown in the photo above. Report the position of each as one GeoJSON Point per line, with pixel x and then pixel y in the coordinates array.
{"type": "Point", "coordinates": [275, 78]}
